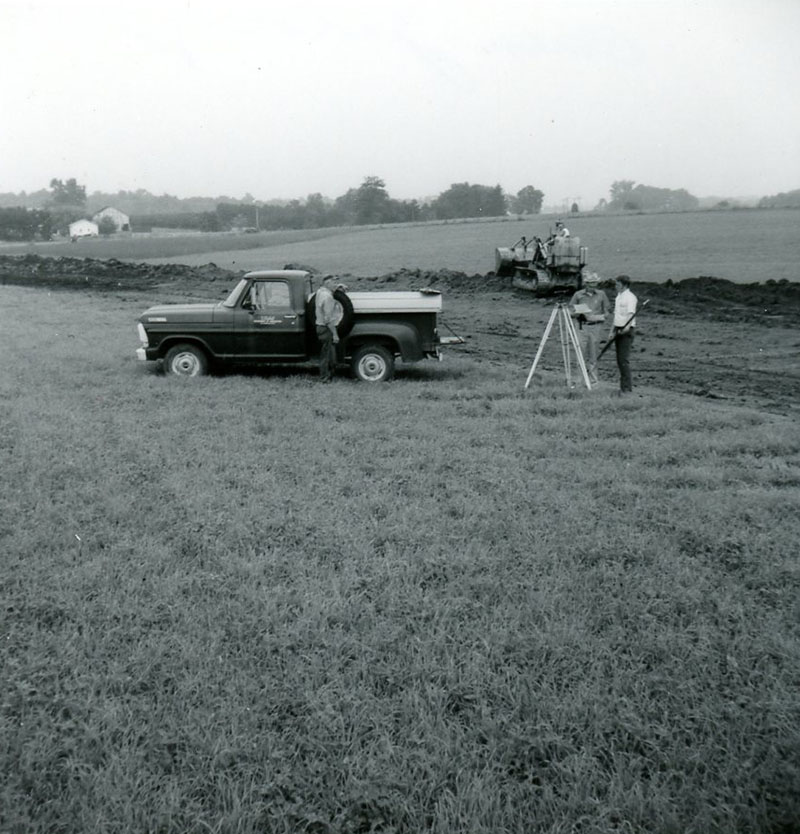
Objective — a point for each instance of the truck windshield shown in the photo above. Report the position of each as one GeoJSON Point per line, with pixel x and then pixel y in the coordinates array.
{"type": "Point", "coordinates": [231, 300]}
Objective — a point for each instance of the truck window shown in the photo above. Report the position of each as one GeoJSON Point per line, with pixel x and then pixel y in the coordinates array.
{"type": "Point", "coordinates": [270, 294]}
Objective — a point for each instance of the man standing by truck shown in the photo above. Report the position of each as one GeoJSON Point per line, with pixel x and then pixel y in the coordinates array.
{"type": "Point", "coordinates": [592, 306]}
{"type": "Point", "coordinates": [325, 317]}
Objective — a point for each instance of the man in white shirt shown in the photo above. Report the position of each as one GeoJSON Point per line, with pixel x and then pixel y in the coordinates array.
{"type": "Point", "coordinates": [623, 329]}
{"type": "Point", "coordinates": [325, 318]}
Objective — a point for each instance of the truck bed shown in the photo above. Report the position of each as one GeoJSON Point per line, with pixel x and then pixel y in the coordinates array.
{"type": "Point", "coordinates": [427, 301]}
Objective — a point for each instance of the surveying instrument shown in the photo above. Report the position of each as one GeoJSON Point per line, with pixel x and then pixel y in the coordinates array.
{"type": "Point", "coordinates": [568, 336]}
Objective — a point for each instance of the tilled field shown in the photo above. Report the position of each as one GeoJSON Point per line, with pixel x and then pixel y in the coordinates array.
{"type": "Point", "coordinates": [704, 336]}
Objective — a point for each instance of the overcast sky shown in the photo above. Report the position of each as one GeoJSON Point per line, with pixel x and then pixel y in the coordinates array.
{"type": "Point", "coordinates": [281, 99]}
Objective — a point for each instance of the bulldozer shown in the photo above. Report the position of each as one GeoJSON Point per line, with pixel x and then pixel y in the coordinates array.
{"type": "Point", "coordinates": [543, 267]}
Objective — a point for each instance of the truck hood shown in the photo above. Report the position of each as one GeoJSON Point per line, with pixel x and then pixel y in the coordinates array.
{"type": "Point", "coordinates": [178, 312]}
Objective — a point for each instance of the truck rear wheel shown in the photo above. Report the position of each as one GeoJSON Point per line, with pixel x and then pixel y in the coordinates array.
{"type": "Point", "coordinates": [186, 360]}
{"type": "Point", "coordinates": [373, 363]}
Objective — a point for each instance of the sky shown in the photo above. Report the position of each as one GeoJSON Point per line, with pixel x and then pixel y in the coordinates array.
{"type": "Point", "coordinates": [284, 99]}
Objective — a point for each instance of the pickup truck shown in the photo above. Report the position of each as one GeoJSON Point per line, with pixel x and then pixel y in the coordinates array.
{"type": "Point", "coordinates": [268, 318]}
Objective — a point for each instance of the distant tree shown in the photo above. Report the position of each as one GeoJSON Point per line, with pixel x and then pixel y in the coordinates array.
{"type": "Point", "coordinates": [62, 216]}
{"type": "Point", "coordinates": [206, 221]}
{"type": "Point", "coordinates": [31, 200]}
{"type": "Point", "coordinates": [371, 201]}
{"type": "Point", "coordinates": [786, 199]}
{"type": "Point", "coordinates": [465, 200]}
{"type": "Point", "coordinates": [528, 200]}
{"type": "Point", "coordinates": [316, 212]}
{"type": "Point", "coordinates": [19, 223]}
{"type": "Point", "coordinates": [106, 226]}
{"type": "Point", "coordinates": [294, 213]}
{"type": "Point", "coordinates": [345, 211]}
{"type": "Point", "coordinates": [620, 189]}
{"type": "Point", "coordinates": [679, 199]}
{"type": "Point", "coordinates": [67, 193]}
{"type": "Point", "coordinates": [404, 211]}
{"type": "Point", "coordinates": [574, 208]}
{"type": "Point", "coordinates": [67, 203]}
{"type": "Point", "coordinates": [234, 216]}
{"type": "Point", "coordinates": [626, 196]}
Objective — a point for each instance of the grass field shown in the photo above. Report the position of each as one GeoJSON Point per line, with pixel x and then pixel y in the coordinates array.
{"type": "Point", "coordinates": [251, 603]}
{"type": "Point", "coordinates": [742, 246]}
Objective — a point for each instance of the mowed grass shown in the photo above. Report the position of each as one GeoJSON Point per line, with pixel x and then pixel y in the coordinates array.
{"type": "Point", "coordinates": [252, 603]}
{"type": "Point", "coordinates": [744, 246]}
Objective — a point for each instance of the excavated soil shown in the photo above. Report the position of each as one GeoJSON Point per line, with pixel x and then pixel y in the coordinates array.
{"type": "Point", "coordinates": [704, 335]}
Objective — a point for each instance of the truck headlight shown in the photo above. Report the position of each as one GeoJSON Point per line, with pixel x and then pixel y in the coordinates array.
{"type": "Point", "coordinates": [142, 334]}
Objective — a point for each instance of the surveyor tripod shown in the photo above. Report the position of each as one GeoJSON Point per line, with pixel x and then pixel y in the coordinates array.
{"type": "Point", "coordinates": [568, 337]}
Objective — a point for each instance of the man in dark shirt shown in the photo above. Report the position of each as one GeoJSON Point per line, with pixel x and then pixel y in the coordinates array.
{"type": "Point", "coordinates": [590, 323]}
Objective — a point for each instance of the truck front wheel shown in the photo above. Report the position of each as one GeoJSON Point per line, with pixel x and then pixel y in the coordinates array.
{"type": "Point", "coordinates": [186, 360]}
{"type": "Point", "coordinates": [373, 363]}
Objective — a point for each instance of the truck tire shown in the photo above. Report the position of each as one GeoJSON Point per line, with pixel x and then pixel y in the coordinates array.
{"type": "Point", "coordinates": [185, 360]}
{"type": "Point", "coordinates": [345, 305]}
{"type": "Point", "coordinates": [372, 363]}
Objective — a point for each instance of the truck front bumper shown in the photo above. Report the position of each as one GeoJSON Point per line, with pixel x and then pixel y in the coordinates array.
{"type": "Point", "coordinates": [147, 354]}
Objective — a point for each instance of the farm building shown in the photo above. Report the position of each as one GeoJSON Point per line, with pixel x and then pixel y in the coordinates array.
{"type": "Point", "coordinates": [83, 228]}
{"type": "Point", "coordinates": [120, 219]}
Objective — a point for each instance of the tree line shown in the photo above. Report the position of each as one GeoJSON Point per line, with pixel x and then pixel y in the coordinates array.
{"type": "Point", "coordinates": [786, 199]}
{"type": "Point", "coordinates": [626, 195]}
{"type": "Point", "coordinates": [40, 215]}
{"type": "Point", "coordinates": [368, 204]}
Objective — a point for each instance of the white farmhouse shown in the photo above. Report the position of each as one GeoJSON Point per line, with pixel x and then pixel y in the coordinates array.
{"type": "Point", "coordinates": [83, 228]}
{"type": "Point", "coordinates": [120, 219]}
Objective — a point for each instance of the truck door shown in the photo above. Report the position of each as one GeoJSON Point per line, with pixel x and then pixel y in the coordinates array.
{"type": "Point", "coordinates": [266, 324]}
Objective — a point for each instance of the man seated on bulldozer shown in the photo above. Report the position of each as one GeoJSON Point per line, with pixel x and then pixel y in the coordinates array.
{"type": "Point", "coordinates": [561, 233]}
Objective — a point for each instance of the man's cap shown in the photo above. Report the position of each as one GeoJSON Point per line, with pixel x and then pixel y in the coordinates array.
{"type": "Point", "coordinates": [591, 278]}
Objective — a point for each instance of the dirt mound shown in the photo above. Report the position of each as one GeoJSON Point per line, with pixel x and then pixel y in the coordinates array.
{"type": "Point", "coordinates": [440, 279]}
{"type": "Point", "coordinates": [94, 273]}
{"type": "Point", "coordinates": [716, 299]}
